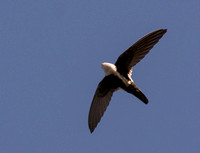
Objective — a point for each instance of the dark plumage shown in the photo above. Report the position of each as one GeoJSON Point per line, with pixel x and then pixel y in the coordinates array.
{"type": "Point", "coordinates": [118, 76]}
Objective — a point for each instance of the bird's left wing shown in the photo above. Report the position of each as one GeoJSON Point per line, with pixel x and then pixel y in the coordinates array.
{"type": "Point", "coordinates": [101, 99]}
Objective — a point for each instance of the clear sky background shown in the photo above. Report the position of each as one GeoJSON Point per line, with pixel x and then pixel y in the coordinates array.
{"type": "Point", "coordinates": [50, 63]}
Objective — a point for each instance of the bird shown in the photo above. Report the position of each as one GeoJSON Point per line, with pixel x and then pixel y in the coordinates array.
{"type": "Point", "coordinates": [118, 76]}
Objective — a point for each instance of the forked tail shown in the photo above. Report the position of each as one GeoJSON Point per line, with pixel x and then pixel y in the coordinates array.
{"type": "Point", "coordinates": [133, 89]}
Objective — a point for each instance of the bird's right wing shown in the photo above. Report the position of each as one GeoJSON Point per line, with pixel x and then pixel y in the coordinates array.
{"type": "Point", "coordinates": [101, 99]}
{"type": "Point", "coordinates": [137, 51]}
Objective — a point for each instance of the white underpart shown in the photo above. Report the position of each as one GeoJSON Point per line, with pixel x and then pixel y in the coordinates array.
{"type": "Point", "coordinates": [110, 68]}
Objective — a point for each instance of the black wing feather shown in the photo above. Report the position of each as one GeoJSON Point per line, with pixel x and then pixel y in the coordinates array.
{"type": "Point", "coordinates": [101, 99]}
{"type": "Point", "coordinates": [137, 51]}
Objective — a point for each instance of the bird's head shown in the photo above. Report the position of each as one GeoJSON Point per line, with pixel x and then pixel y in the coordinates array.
{"type": "Point", "coordinates": [108, 68]}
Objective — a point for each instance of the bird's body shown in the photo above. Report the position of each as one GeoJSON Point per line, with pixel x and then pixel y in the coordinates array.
{"type": "Point", "coordinates": [118, 76]}
{"type": "Point", "coordinates": [110, 68]}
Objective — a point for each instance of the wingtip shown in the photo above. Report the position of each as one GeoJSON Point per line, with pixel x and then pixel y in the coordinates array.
{"type": "Point", "coordinates": [91, 130]}
{"type": "Point", "coordinates": [164, 30]}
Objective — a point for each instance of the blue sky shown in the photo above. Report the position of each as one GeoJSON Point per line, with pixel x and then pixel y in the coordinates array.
{"type": "Point", "coordinates": [50, 63]}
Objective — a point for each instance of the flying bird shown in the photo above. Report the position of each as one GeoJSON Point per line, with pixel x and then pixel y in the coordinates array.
{"type": "Point", "coordinates": [118, 76]}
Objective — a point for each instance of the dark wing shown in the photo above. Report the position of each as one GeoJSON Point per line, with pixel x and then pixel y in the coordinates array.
{"type": "Point", "coordinates": [101, 99]}
{"type": "Point", "coordinates": [137, 51]}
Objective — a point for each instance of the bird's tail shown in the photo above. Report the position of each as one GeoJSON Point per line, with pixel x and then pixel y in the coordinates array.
{"type": "Point", "coordinates": [133, 89]}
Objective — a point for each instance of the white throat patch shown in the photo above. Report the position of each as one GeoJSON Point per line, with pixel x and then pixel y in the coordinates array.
{"type": "Point", "coordinates": [110, 68]}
